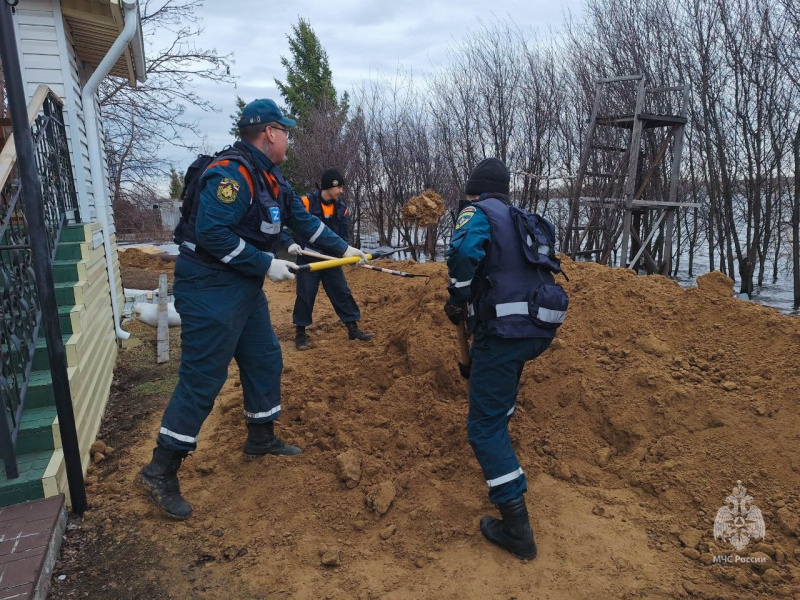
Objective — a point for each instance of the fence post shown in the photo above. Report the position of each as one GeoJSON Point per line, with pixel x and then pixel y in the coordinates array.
{"type": "Point", "coordinates": [163, 320]}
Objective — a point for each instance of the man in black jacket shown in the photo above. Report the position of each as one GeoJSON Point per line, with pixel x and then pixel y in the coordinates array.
{"type": "Point", "coordinates": [326, 205]}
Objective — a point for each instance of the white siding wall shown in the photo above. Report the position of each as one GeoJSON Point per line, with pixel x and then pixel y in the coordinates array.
{"type": "Point", "coordinates": [78, 142]}
{"type": "Point", "coordinates": [106, 174]}
{"type": "Point", "coordinates": [38, 46]}
{"type": "Point", "coordinates": [47, 56]}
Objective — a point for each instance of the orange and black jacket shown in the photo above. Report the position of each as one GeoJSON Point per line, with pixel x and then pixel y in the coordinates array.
{"type": "Point", "coordinates": [335, 216]}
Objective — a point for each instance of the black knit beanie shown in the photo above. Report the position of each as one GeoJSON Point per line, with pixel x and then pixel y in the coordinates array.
{"type": "Point", "coordinates": [491, 175]}
{"type": "Point", "coordinates": [331, 179]}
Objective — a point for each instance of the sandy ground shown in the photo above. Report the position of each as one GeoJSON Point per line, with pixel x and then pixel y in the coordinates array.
{"type": "Point", "coordinates": [633, 428]}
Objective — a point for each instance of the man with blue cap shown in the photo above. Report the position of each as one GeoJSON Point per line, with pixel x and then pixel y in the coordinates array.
{"type": "Point", "coordinates": [235, 206]}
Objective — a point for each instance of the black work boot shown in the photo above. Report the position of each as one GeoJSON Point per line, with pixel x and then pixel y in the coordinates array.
{"type": "Point", "coordinates": [261, 440]}
{"type": "Point", "coordinates": [300, 338]}
{"type": "Point", "coordinates": [354, 333]}
{"type": "Point", "coordinates": [513, 532]}
{"type": "Point", "coordinates": [159, 479]}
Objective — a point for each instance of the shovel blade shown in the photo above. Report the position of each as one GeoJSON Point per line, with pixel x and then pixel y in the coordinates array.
{"type": "Point", "coordinates": [464, 370]}
{"type": "Point", "coordinates": [385, 251]}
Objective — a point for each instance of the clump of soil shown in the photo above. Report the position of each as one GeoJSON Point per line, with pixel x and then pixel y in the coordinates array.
{"type": "Point", "coordinates": [715, 284]}
{"type": "Point", "coordinates": [424, 210]}
{"type": "Point", "coordinates": [632, 429]}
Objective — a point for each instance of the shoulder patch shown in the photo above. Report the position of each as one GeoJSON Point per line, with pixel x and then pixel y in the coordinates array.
{"type": "Point", "coordinates": [464, 216]}
{"type": "Point", "coordinates": [228, 190]}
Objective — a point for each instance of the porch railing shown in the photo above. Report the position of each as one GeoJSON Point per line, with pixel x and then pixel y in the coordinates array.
{"type": "Point", "coordinates": [20, 313]}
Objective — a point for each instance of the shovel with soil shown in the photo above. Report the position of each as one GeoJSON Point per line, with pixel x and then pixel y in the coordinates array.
{"type": "Point", "coordinates": [426, 210]}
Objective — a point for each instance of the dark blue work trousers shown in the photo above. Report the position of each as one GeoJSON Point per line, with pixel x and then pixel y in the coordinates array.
{"type": "Point", "coordinates": [335, 284]}
{"type": "Point", "coordinates": [224, 315]}
{"type": "Point", "coordinates": [497, 365]}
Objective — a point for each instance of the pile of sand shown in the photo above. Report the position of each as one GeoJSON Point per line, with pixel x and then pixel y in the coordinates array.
{"type": "Point", "coordinates": [145, 249]}
{"type": "Point", "coordinates": [424, 210]}
{"type": "Point", "coordinates": [146, 257]}
{"type": "Point", "coordinates": [632, 429]}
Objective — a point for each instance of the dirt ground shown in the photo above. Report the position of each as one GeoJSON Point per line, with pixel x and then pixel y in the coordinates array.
{"type": "Point", "coordinates": [632, 429]}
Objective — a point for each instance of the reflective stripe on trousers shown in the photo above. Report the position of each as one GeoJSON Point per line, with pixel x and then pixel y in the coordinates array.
{"type": "Point", "coordinates": [224, 315]}
{"type": "Point", "coordinates": [497, 365]}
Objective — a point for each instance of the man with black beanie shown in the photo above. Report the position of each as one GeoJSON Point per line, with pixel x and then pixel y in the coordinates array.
{"type": "Point", "coordinates": [326, 205]}
{"type": "Point", "coordinates": [501, 261]}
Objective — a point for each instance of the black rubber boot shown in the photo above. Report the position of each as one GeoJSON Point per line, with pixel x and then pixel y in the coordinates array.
{"type": "Point", "coordinates": [354, 333]}
{"type": "Point", "coordinates": [261, 440]}
{"type": "Point", "coordinates": [300, 338]}
{"type": "Point", "coordinates": [159, 479]}
{"type": "Point", "coordinates": [513, 532]}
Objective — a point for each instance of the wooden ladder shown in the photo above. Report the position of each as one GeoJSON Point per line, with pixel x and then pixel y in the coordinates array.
{"type": "Point", "coordinates": [607, 204]}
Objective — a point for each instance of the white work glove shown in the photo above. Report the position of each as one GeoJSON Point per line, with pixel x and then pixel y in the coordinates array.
{"type": "Point", "coordinates": [351, 251]}
{"type": "Point", "coordinates": [279, 270]}
{"type": "Point", "coordinates": [294, 249]}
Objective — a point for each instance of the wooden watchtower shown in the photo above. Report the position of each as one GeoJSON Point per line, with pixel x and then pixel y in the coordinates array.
{"type": "Point", "coordinates": [625, 194]}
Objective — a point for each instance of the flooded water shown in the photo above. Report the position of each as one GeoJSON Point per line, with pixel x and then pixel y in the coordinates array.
{"type": "Point", "coordinates": [778, 295]}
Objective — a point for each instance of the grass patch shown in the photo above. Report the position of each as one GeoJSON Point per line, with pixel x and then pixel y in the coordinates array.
{"type": "Point", "coordinates": [156, 387]}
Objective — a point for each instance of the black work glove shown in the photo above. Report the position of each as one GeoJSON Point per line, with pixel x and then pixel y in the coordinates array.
{"type": "Point", "coordinates": [456, 314]}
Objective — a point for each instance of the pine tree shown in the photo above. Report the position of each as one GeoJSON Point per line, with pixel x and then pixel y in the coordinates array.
{"type": "Point", "coordinates": [175, 183]}
{"type": "Point", "coordinates": [308, 89]}
{"type": "Point", "coordinates": [240, 104]}
{"type": "Point", "coordinates": [309, 81]}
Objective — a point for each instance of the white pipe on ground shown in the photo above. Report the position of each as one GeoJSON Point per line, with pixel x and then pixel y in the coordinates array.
{"type": "Point", "coordinates": [147, 313]}
{"type": "Point", "coordinates": [99, 190]}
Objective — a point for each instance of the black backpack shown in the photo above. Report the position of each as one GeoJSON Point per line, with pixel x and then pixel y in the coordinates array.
{"type": "Point", "coordinates": [191, 191]}
{"type": "Point", "coordinates": [191, 184]}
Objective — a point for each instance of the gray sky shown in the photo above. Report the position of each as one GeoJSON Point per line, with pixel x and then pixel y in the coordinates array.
{"type": "Point", "coordinates": [362, 38]}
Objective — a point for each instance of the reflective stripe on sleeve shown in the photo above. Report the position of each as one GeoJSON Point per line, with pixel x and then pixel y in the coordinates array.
{"type": "Point", "coordinates": [460, 284]}
{"type": "Point", "coordinates": [318, 233]}
{"type": "Point", "coordinates": [235, 253]}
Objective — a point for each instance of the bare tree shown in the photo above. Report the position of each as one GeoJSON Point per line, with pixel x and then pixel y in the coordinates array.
{"type": "Point", "coordinates": [139, 122]}
{"type": "Point", "coordinates": [506, 93]}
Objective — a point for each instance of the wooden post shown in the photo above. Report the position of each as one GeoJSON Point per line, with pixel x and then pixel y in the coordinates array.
{"type": "Point", "coordinates": [163, 320]}
{"type": "Point", "coordinates": [675, 175]}
{"type": "Point", "coordinates": [630, 181]}
{"type": "Point", "coordinates": [575, 206]}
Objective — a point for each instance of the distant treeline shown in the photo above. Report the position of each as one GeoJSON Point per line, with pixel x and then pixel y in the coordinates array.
{"type": "Point", "coordinates": [527, 98]}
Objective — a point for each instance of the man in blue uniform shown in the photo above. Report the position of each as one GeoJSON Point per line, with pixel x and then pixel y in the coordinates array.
{"type": "Point", "coordinates": [228, 237]}
{"type": "Point", "coordinates": [326, 205]}
{"type": "Point", "coordinates": [501, 263]}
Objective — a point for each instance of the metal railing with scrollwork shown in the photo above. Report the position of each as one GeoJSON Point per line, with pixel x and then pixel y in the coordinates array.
{"type": "Point", "coordinates": [20, 314]}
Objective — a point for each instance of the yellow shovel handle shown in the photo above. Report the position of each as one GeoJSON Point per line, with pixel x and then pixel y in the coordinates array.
{"type": "Point", "coordinates": [329, 264]}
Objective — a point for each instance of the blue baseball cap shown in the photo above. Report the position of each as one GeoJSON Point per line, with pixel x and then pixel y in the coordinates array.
{"type": "Point", "coordinates": [264, 111]}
